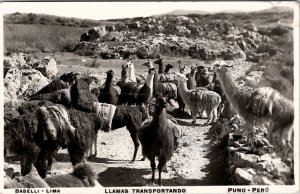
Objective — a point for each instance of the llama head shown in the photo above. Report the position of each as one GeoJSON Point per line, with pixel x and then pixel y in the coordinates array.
{"type": "Point", "coordinates": [148, 64]}
{"type": "Point", "coordinates": [181, 77]}
{"type": "Point", "coordinates": [69, 77]}
{"type": "Point", "coordinates": [124, 70]}
{"type": "Point", "coordinates": [169, 66]}
{"type": "Point", "coordinates": [130, 64]}
{"type": "Point", "coordinates": [158, 61]}
{"type": "Point", "coordinates": [181, 69]}
{"type": "Point", "coordinates": [193, 69]}
{"type": "Point", "coordinates": [161, 103]}
{"type": "Point", "coordinates": [110, 74]}
{"type": "Point", "coordinates": [221, 66]}
{"type": "Point", "coordinates": [152, 71]}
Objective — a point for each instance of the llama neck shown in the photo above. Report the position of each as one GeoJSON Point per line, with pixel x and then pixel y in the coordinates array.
{"type": "Point", "coordinates": [160, 116]}
{"type": "Point", "coordinates": [155, 80]}
{"type": "Point", "coordinates": [132, 74]}
{"type": "Point", "coordinates": [193, 74]}
{"type": "Point", "coordinates": [235, 95]}
{"type": "Point", "coordinates": [227, 84]}
{"type": "Point", "coordinates": [182, 86]}
{"type": "Point", "coordinates": [149, 80]}
{"type": "Point", "coordinates": [108, 82]}
{"type": "Point", "coordinates": [124, 79]}
{"type": "Point", "coordinates": [183, 90]}
{"type": "Point", "coordinates": [160, 68]}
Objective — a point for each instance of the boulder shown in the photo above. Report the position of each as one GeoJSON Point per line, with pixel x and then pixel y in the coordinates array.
{"type": "Point", "coordinates": [47, 66]}
{"type": "Point", "coordinates": [160, 28]}
{"type": "Point", "coordinates": [16, 60]}
{"type": "Point", "coordinates": [110, 28]}
{"type": "Point", "coordinates": [93, 34]}
{"type": "Point", "coordinates": [31, 82]}
{"type": "Point", "coordinates": [182, 29]}
{"type": "Point", "coordinates": [266, 48]}
{"type": "Point", "coordinates": [242, 160]}
{"type": "Point", "coordinates": [265, 181]}
{"type": "Point", "coordinates": [280, 168]}
{"type": "Point", "coordinates": [12, 83]}
{"type": "Point", "coordinates": [243, 177]}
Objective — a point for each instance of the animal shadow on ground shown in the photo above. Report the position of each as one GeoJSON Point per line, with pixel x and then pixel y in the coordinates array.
{"type": "Point", "coordinates": [62, 157]}
{"type": "Point", "coordinates": [187, 123]}
{"type": "Point", "coordinates": [181, 115]}
{"type": "Point", "coordinates": [128, 177]}
{"type": "Point", "coordinates": [217, 155]}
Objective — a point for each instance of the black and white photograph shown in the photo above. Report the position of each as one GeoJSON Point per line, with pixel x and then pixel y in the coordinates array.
{"type": "Point", "coordinates": [150, 97]}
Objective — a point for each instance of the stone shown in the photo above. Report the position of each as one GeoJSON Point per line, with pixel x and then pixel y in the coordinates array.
{"type": "Point", "coordinates": [34, 86]}
{"type": "Point", "coordinates": [47, 66]}
{"type": "Point", "coordinates": [242, 177]}
{"type": "Point", "coordinates": [251, 171]}
{"type": "Point", "coordinates": [265, 157]}
{"type": "Point", "coordinates": [280, 168]}
{"type": "Point", "coordinates": [245, 149]}
{"type": "Point", "coordinates": [242, 160]}
{"type": "Point", "coordinates": [242, 44]}
{"type": "Point", "coordinates": [265, 181]}
{"type": "Point", "coordinates": [231, 170]}
{"type": "Point", "coordinates": [31, 82]}
{"type": "Point", "coordinates": [232, 149]}
{"type": "Point", "coordinates": [16, 60]}
{"type": "Point", "coordinates": [12, 83]}
{"type": "Point", "coordinates": [266, 48]}
{"type": "Point", "coordinates": [260, 166]}
{"type": "Point", "coordinates": [258, 143]}
{"type": "Point", "coordinates": [9, 172]}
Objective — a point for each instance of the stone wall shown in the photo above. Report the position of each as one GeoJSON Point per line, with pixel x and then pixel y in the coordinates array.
{"type": "Point", "coordinates": [260, 165]}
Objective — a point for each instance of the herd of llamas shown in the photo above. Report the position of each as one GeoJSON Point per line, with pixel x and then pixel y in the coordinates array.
{"type": "Point", "coordinates": [66, 114]}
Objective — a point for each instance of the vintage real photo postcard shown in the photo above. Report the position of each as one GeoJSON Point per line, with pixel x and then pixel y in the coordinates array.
{"type": "Point", "coordinates": [149, 97]}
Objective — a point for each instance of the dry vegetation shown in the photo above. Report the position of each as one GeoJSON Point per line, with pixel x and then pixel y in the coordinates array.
{"type": "Point", "coordinates": [31, 38]}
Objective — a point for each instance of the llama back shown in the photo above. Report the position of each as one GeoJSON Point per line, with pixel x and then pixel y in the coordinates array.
{"type": "Point", "coordinates": [207, 99]}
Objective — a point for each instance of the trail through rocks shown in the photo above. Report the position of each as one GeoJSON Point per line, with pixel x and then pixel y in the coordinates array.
{"type": "Point", "coordinates": [199, 160]}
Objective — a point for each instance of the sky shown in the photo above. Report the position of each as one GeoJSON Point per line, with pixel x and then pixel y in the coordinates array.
{"type": "Point", "coordinates": [111, 10]}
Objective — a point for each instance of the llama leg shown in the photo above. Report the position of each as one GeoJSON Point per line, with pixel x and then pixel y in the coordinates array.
{"type": "Point", "coordinates": [41, 164]}
{"type": "Point", "coordinates": [209, 117]}
{"type": "Point", "coordinates": [161, 165]}
{"type": "Point", "coordinates": [194, 114]}
{"type": "Point", "coordinates": [95, 144]}
{"type": "Point", "coordinates": [136, 142]}
{"type": "Point", "coordinates": [165, 169]}
{"type": "Point", "coordinates": [153, 170]}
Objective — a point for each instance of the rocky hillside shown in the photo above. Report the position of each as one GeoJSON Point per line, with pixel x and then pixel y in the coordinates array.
{"type": "Point", "coordinates": [264, 37]}
{"type": "Point", "coordinates": [205, 37]}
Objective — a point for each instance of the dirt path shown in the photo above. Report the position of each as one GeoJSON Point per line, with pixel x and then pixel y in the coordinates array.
{"type": "Point", "coordinates": [198, 160]}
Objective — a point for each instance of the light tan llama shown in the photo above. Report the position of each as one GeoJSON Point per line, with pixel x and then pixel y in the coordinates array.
{"type": "Point", "coordinates": [199, 100]}
{"type": "Point", "coordinates": [263, 106]}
